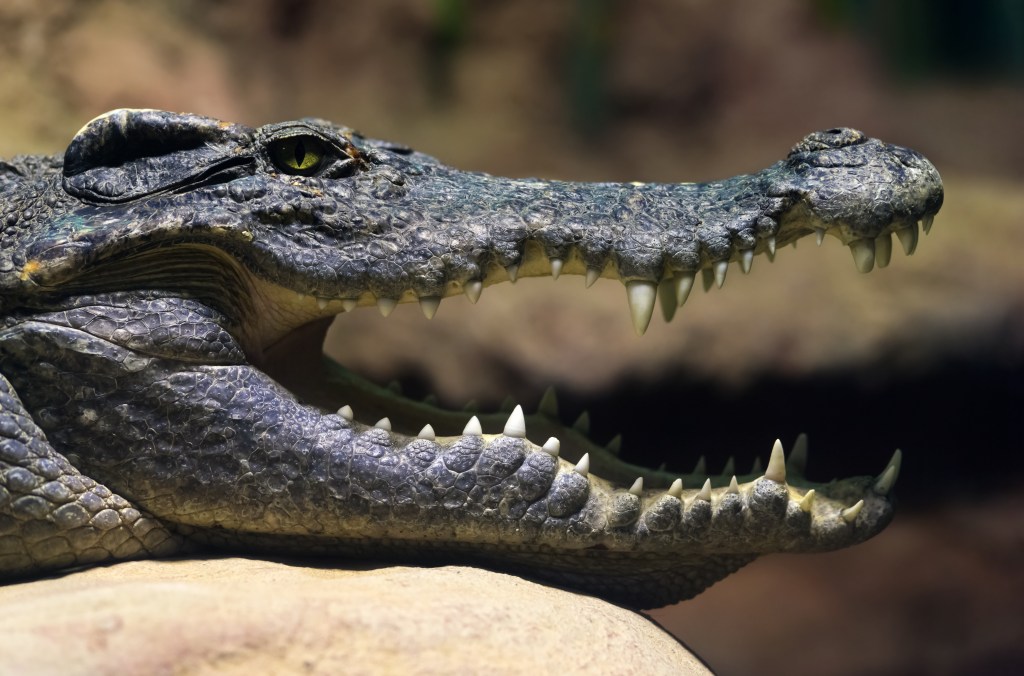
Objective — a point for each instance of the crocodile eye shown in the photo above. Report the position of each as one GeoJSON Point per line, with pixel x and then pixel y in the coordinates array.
{"type": "Point", "coordinates": [301, 155]}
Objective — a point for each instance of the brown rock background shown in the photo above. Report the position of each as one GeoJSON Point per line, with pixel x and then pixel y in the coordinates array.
{"type": "Point", "coordinates": [927, 354]}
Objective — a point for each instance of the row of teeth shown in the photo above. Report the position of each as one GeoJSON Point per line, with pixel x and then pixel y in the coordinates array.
{"type": "Point", "coordinates": [641, 295]}
{"type": "Point", "coordinates": [515, 428]}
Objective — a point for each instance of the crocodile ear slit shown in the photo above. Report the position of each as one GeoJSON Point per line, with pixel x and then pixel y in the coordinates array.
{"type": "Point", "coordinates": [128, 154]}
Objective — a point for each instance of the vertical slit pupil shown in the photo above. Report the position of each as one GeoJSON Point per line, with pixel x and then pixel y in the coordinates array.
{"type": "Point", "coordinates": [300, 153]}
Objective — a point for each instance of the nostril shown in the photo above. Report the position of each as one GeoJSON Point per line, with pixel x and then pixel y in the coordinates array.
{"type": "Point", "coordinates": [835, 131]}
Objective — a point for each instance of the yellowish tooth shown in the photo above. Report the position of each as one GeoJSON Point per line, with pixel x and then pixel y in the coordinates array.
{"type": "Point", "coordinates": [667, 296]}
{"type": "Point", "coordinates": [346, 412]}
{"type": "Point", "coordinates": [473, 290]}
{"type": "Point", "coordinates": [850, 514]}
{"type": "Point", "coordinates": [426, 433]}
{"type": "Point", "coordinates": [637, 488]}
{"type": "Point", "coordinates": [705, 491]}
{"type": "Point", "coordinates": [583, 466]}
{"type": "Point", "coordinates": [349, 304]}
{"type": "Point", "coordinates": [552, 446]}
{"type": "Point", "coordinates": [819, 235]}
{"type": "Point", "coordinates": [593, 274]}
{"type": "Point", "coordinates": [707, 278]}
{"type": "Point", "coordinates": [771, 248]}
{"type": "Point", "coordinates": [807, 502]}
{"type": "Point", "coordinates": [926, 223]}
{"type": "Point", "coordinates": [746, 260]}
{"type": "Point", "coordinates": [386, 305]}
{"type": "Point", "coordinates": [641, 297]}
{"type": "Point", "coordinates": [513, 273]}
{"type": "Point", "coordinates": [721, 267]}
{"type": "Point", "coordinates": [734, 486]}
{"type": "Point", "coordinates": [676, 489]}
{"type": "Point", "coordinates": [473, 428]}
{"type": "Point", "coordinates": [516, 425]}
{"type": "Point", "coordinates": [863, 251]}
{"type": "Point", "coordinates": [321, 303]}
{"type": "Point", "coordinates": [883, 249]}
{"type": "Point", "coordinates": [384, 424]}
{"type": "Point", "coordinates": [429, 305]}
{"type": "Point", "coordinates": [892, 472]}
{"type": "Point", "coordinates": [556, 267]}
{"type": "Point", "coordinates": [776, 464]}
{"type": "Point", "coordinates": [908, 236]}
{"type": "Point", "coordinates": [684, 283]}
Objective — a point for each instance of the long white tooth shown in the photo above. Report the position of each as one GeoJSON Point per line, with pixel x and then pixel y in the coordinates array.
{"type": "Point", "coordinates": [776, 464]}
{"type": "Point", "coordinates": [676, 489]}
{"type": "Point", "coordinates": [473, 428]}
{"type": "Point", "coordinates": [593, 274]}
{"type": "Point", "coordinates": [926, 223]}
{"type": "Point", "coordinates": [819, 235]}
{"type": "Point", "coordinates": [429, 305]}
{"type": "Point", "coordinates": [746, 260]}
{"type": "Point", "coordinates": [892, 472]}
{"type": "Point", "coordinates": [850, 514]}
{"type": "Point", "coordinates": [637, 488]}
{"type": "Point", "coordinates": [549, 403]}
{"type": "Point", "coordinates": [473, 289]}
{"type": "Point", "coordinates": [426, 433]}
{"type": "Point", "coordinates": [346, 412]}
{"type": "Point", "coordinates": [863, 251]}
{"type": "Point", "coordinates": [734, 486]}
{"type": "Point", "coordinates": [705, 491]}
{"type": "Point", "coordinates": [908, 236]}
{"type": "Point", "coordinates": [730, 466]}
{"type": "Point", "coordinates": [701, 468]}
{"type": "Point", "coordinates": [516, 424]}
{"type": "Point", "coordinates": [807, 502]}
{"type": "Point", "coordinates": [771, 248]}
{"type": "Point", "coordinates": [684, 283]}
{"type": "Point", "coordinates": [883, 249]}
{"type": "Point", "coordinates": [797, 461]}
{"type": "Point", "coordinates": [707, 278]}
{"type": "Point", "coordinates": [384, 424]}
{"type": "Point", "coordinates": [667, 296]}
{"type": "Point", "coordinates": [349, 304]}
{"type": "Point", "coordinates": [322, 303]}
{"type": "Point", "coordinates": [556, 267]}
{"type": "Point", "coordinates": [615, 445]}
{"type": "Point", "coordinates": [641, 296]}
{"type": "Point", "coordinates": [386, 305]}
{"type": "Point", "coordinates": [552, 446]}
{"type": "Point", "coordinates": [513, 273]}
{"type": "Point", "coordinates": [582, 424]}
{"type": "Point", "coordinates": [721, 267]}
{"type": "Point", "coordinates": [583, 466]}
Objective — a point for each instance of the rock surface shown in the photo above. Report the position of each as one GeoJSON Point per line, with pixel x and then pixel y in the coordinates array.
{"type": "Point", "coordinates": [234, 615]}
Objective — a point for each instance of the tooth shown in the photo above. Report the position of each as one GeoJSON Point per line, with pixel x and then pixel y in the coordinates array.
{"type": "Point", "coordinates": [615, 445]}
{"type": "Point", "coordinates": [807, 502]}
{"type": "Point", "coordinates": [793, 244]}
{"type": "Point", "coordinates": [582, 424]}
{"type": "Point", "coordinates": [346, 412]}
{"type": "Point", "coordinates": [819, 235]}
{"type": "Point", "coordinates": [473, 428]}
{"type": "Point", "coordinates": [637, 488]}
{"type": "Point", "coordinates": [701, 468]}
{"type": "Point", "coordinates": [850, 514]}
{"type": "Point", "coordinates": [583, 466]}
{"type": "Point", "coordinates": [707, 276]}
{"type": "Point", "coordinates": [386, 305]}
{"type": "Point", "coordinates": [429, 305]}
{"type": "Point", "coordinates": [556, 267]}
{"type": "Point", "coordinates": [776, 465]}
{"type": "Point", "coordinates": [883, 249]}
{"type": "Point", "coordinates": [755, 469]}
{"type": "Point", "coordinates": [926, 223]}
{"type": "Point", "coordinates": [863, 251]}
{"type": "Point", "coordinates": [549, 403]}
{"type": "Point", "coordinates": [473, 289]}
{"type": "Point", "coordinates": [667, 296]}
{"type": "Point", "coordinates": [746, 260]}
{"type": "Point", "coordinates": [734, 487]}
{"type": "Point", "coordinates": [797, 462]}
{"type": "Point", "coordinates": [705, 491]}
{"type": "Point", "coordinates": [516, 425]}
{"type": "Point", "coordinates": [892, 472]}
{"type": "Point", "coordinates": [384, 424]}
{"type": "Point", "coordinates": [349, 304]}
{"type": "Point", "coordinates": [322, 303]}
{"type": "Point", "coordinates": [592, 276]}
{"type": "Point", "coordinates": [721, 267]}
{"type": "Point", "coordinates": [908, 238]}
{"type": "Point", "coordinates": [641, 297]}
{"type": "Point", "coordinates": [730, 466]}
{"type": "Point", "coordinates": [676, 489]}
{"type": "Point", "coordinates": [551, 446]}
{"type": "Point", "coordinates": [426, 433]}
{"type": "Point", "coordinates": [771, 248]}
{"type": "Point", "coordinates": [513, 273]}
{"type": "Point", "coordinates": [684, 283]}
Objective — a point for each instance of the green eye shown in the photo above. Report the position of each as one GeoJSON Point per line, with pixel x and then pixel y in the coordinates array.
{"type": "Point", "coordinates": [300, 155]}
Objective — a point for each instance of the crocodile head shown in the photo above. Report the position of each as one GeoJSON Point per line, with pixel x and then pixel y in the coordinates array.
{"type": "Point", "coordinates": [279, 229]}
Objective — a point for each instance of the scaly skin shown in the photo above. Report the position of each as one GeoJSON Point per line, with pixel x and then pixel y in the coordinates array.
{"type": "Point", "coordinates": [153, 277]}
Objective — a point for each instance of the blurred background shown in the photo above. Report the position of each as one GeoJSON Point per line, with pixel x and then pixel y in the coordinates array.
{"type": "Point", "coordinates": [926, 355]}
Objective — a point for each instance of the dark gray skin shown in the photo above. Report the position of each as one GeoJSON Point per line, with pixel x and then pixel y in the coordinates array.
{"type": "Point", "coordinates": [154, 277]}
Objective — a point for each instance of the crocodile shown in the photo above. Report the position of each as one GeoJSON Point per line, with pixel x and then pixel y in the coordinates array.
{"type": "Point", "coordinates": [166, 284]}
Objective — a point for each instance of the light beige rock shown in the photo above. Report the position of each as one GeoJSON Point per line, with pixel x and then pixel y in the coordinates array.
{"type": "Point", "coordinates": [243, 616]}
